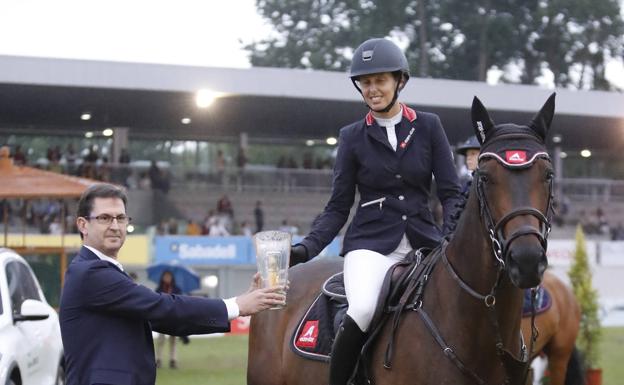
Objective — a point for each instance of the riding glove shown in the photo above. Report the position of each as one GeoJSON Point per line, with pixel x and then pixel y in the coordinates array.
{"type": "Point", "coordinates": [298, 254]}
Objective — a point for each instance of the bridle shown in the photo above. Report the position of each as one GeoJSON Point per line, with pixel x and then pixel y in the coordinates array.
{"type": "Point", "coordinates": [495, 230]}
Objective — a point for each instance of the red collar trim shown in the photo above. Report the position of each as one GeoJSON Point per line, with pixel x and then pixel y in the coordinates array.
{"type": "Point", "coordinates": [408, 114]}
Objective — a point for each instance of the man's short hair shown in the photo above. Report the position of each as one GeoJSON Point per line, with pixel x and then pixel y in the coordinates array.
{"type": "Point", "coordinates": [100, 190]}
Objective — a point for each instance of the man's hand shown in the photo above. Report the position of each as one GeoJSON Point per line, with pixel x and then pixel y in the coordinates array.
{"type": "Point", "coordinates": [256, 299]}
{"type": "Point", "coordinates": [298, 254]}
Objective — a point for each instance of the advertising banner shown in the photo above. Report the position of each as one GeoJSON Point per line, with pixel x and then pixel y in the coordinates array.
{"type": "Point", "coordinates": [190, 250]}
{"type": "Point", "coordinates": [561, 252]}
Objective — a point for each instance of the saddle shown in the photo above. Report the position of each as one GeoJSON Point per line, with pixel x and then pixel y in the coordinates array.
{"type": "Point", "coordinates": [543, 301]}
{"type": "Point", "coordinates": [314, 335]}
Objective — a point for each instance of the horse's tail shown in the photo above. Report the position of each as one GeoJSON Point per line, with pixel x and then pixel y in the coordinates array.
{"type": "Point", "coordinates": [575, 375]}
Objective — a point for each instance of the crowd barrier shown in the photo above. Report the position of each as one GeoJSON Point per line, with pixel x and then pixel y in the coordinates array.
{"type": "Point", "coordinates": [233, 250]}
{"type": "Point", "coordinates": [239, 250]}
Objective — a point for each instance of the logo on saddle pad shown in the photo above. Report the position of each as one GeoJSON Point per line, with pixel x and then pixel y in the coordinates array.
{"type": "Point", "coordinates": [515, 157]}
{"type": "Point", "coordinates": [309, 334]}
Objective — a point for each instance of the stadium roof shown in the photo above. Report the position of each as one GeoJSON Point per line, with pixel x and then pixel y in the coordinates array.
{"type": "Point", "coordinates": [43, 95]}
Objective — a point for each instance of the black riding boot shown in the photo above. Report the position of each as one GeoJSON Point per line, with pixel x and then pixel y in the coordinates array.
{"type": "Point", "coordinates": [345, 352]}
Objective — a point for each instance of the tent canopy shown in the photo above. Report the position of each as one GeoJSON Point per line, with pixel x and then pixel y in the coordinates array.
{"type": "Point", "coordinates": [29, 183]}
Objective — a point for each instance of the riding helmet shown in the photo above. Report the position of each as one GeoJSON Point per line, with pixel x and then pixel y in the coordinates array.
{"type": "Point", "coordinates": [378, 56]}
{"type": "Point", "coordinates": [471, 143]}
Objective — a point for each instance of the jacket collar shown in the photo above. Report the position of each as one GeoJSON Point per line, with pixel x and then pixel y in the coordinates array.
{"type": "Point", "coordinates": [380, 135]}
{"type": "Point", "coordinates": [408, 114]}
{"type": "Point", "coordinates": [87, 253]}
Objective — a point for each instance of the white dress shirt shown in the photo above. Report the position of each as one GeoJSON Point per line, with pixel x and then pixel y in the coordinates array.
{"type": "Point", "coordinates": [390, 124]}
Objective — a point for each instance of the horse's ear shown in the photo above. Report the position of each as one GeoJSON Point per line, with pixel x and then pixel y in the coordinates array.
{"type": "Point", "coordinates": [541, 122]}
{"type": "Point", "coordinates": [481, 121]}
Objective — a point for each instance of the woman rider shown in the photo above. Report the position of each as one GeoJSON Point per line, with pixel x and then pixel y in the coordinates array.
{"type": "Point", "coordinates": [389, 156]}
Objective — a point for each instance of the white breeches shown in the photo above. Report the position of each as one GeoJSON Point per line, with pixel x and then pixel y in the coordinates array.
{"type": "Point", "coordinates": [364, 272]}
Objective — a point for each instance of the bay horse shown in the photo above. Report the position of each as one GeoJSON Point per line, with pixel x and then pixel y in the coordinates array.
{"type": "Point", "coordinates": [465, 328]}
{"type": "Point", "coordinates": [558, 328]}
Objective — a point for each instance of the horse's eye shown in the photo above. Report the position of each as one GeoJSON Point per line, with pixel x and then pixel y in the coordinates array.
{"type": "Point", "coordinates": [484, 178]}
{"type": "Point", "coordinates": [550, 175]}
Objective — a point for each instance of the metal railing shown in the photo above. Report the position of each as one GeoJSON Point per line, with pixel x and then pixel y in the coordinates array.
{"type": "Point", "coordinates": [270, 178]}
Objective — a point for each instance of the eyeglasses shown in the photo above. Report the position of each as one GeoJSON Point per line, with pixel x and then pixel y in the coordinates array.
{"type": "Point", "coordinates": [105, 219]}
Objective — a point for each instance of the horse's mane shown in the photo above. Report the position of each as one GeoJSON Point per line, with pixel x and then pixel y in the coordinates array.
{"type": "Point", "coordinates": [459, 206]}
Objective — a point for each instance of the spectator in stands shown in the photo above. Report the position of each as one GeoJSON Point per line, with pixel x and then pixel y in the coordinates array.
{"type": "Point", "coordinates": [154, 175]}
{"type": "Point", "coordinates": [124, 157]}
{"type": "Point", "coordinates": [144, 181]}
{"type": "Point", "coordinates": [162, 228]}
{"type": "Point", "coordinates": [259, 216]}
{"type": "Point", "coordinates": [241, 162]}
{"type": "Point", "coordinates": [601, 219]}
{"type": "Point", "coordinates": [70, 159]}
{"type": "Point", "coordinates": [192, 228]}
{"type": "Point", "coordinates": [54, 165]}
{"type": "Point", "coordinates": [389, 157]}
{"type": "Point", "coordinates": [92, 156]}
{"type": "Point", "coordinates": [220, 167]}
{"type": "Point", "coordinates": [19, 157]}
{"type": "Point", "coordinates": [172, 227]}
{"type": "Point", "coordinates": [104, 170]}
{"type": "Point", "coordinates": [53, 154]}
{"type": "Point", "coordinates": [39, 209]}
{"type": "Point", "coordinates": [5, 206]}
{"type": "Point", "coordinates": [245, 229]}
{"type": "Point", "coordinates": [218, 227]}
{"type": "Point", "coordinates": [308, 161]}
{"type": "Point", "coordinates": [55, 226]}
{"type": "Point", "coordinates": [224, 206]}
{"type": "Point", "coordinates": [617, 232]}
{"type": "Point", "coordinates": [87, 168]}
{"type": "Point", "coordinates": [124, 167]}
{"type": "Point", "coordinates": [159, 179]}
{"type": "Point", "coordinates": [287, 228]}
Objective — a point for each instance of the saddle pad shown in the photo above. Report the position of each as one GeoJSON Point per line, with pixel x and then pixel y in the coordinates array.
{"type": "Point", "coordinates": [542, 302]}
{"type": "Point", "coordinates": [314, 336]}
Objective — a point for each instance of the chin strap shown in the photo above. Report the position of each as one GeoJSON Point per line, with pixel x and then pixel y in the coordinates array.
{"type": "Point", "coordinates": [394, 99]}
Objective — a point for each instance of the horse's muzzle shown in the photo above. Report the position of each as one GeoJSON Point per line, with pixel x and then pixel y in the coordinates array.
{"type": "Point", "coordinates": [526, 264]}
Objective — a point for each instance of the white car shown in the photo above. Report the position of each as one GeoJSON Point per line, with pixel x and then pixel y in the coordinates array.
{"type": "Point", "coordinates": [31, 350]}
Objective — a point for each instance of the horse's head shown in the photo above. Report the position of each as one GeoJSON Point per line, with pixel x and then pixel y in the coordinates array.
{"type": "Point", "coordinates": [514, 182]}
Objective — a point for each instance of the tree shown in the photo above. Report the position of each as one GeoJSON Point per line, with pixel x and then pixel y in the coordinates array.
{"type": "Point", "coordinates": [451, 39]}
{"type": "Point", "coordinates": [581, 278]}
{"type": "Point", "coordinates": [572, 38]}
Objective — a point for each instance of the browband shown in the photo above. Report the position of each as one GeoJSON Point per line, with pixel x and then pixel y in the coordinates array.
{"type": "Point", "coordinates": [509, 162]}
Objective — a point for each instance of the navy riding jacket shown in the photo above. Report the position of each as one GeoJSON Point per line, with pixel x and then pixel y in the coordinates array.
{"type": "Point", "coordinates": [394, 187]}
{"type": "Point", "coordinates": [107, 322]}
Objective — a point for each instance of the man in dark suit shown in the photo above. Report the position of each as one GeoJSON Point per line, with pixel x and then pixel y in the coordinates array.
{"type": "Point", "coordinates": [107, 319]}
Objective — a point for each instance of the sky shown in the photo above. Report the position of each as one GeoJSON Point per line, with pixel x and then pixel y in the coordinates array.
{"type": "Point", "coordinates": [186, 32]}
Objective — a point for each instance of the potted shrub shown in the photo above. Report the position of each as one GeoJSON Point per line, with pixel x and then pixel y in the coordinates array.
{"type": "Point", "coordinates": [588, 340]}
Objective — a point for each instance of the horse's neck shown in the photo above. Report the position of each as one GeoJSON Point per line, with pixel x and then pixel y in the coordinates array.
{"type": "Point", "coordinates": [470, 253]}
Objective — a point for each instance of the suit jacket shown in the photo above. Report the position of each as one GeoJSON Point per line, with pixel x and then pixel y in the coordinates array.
{"type": "Point", "coordinates": [107, 322]}
{"type": "Point", "coordinates": [394, 186]}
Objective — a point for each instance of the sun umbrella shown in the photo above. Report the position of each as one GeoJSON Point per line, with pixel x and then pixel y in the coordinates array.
{"type": "Point", "coordinates": [185, 278]}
